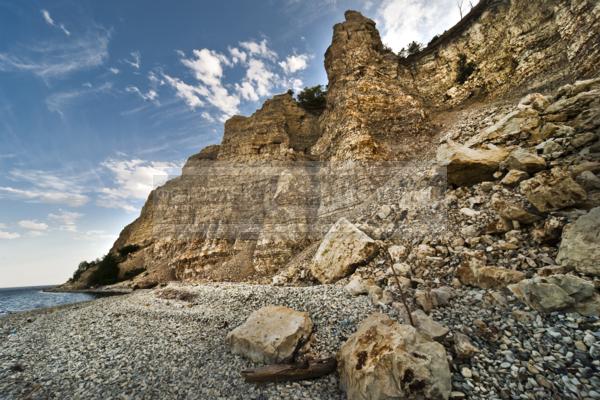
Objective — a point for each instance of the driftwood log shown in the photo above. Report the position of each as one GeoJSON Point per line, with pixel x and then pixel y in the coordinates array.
{"type": "Point", "coordinates": [291, 372]}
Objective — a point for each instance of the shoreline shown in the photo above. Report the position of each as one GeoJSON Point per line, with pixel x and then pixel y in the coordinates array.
{"type": "Point", "coordinates": [100, 292]}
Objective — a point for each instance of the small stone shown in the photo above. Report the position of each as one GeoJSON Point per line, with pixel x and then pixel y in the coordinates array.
{"type": "Point", "coordinates": [463, 347]}
{"type": "Point", "coordinates": [466, 372]}
{"type": "Point", "coordinates": [427, 326]}
{"type": "Point", "coordinates": [513, 177]}
{"type": "Point", "coordinates": [424, 300]}
{"type": "Point", "coordinates": [397, 253]}
{"type": "Point", "coordinates": [580, 346]}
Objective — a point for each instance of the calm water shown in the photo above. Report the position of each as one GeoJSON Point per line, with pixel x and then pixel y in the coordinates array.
{"type": "Point", "coordinates": [29, 298]}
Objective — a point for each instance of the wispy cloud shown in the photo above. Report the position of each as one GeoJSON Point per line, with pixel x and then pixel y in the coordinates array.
{"type": "Point", "coordinates": [66, 219]}
{"type": "Point", "coordinates": [150, 95]}
{"type": "Point", "coordinates": [9, 235]}
{"type": "Point", "coordinates": [58, 101]}
{"type": "Point", "coordinates": [50, 21]}
{"type": "Point", "coordinates": [135, 61]}
{"type": "Point", "coordinates": [51, 59]}
{"type": "Point", "coordinates": [44, 187]}
{"type": "Point", "coordinates": [33, 225]}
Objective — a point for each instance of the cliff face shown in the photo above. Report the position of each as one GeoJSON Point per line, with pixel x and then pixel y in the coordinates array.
{"type": "Point", "coordinates": [247, 208]}
{"type": "Point", "coordinates": [518, 44]}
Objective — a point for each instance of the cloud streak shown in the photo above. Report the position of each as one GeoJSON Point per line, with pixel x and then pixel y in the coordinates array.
{"type": "Point", "coordinates": [52, 59]}
{"type": "Point", "coordinates": [44, 187]}
{"type": "Point", "coordinates": [50, 21]}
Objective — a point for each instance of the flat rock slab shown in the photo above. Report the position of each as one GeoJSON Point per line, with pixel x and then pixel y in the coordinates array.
{"type": "Point", "coordinates": [271, 334]}
{"type": "Point", "coordinates": [580, 245]}
{"type": "Point", "coordinates": [342, 250]}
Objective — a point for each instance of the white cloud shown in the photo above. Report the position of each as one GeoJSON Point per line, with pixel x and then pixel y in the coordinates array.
{"type": "Point", "coordinates": [208, 117]}
{"type": "Point", "coordinates": [260, 49]}
{"type": "Point", "coordinates": [135, 61]}
{"type": "Point", "coordinates": [190, 94]}
{"type": "Point", "coordinates": [402, 21]}
{"type": "Point", "coordinates": [259, 80]}
{"type": "Point", "coordinates": [294, 63]}
{"type": "Point", "coordinates": [246, 91]}
{"type": "Point", "coordinates": [66, 219]}
{"type": "Point", "coordinates": [9, 235]}
{"type": "Point", "coordinates": [150, 95]}
{"type": "Point", "coordinates": [33, 225]}
{"type": "Point", "coordinates": [55, 59]}
{"type": "Point", "coordinates": [134, 180]}
{"type": "Point", "coordinates": [258, 64]}
{"type": "Point", "coordinates": [50, 197]}
{"type": "Point", "coordinates": [47, 17]}
{"type": "Point", "coordinates": [114, 71]}
{"type": "Point", "coordinates": [44, 187]}
{"type": "Point", "coordinates": [50, 21]}
{"type": "Point", "coordinates": [237, 56]}
{"type": "Point", "coordinates": [206, 66]}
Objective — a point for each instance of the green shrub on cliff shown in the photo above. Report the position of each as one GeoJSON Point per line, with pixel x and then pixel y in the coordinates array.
{"type": "Point", "coordinates": [106, 272]}
{"type": "Point", "coordinates": [313, 99]}
{"type": "Point", "coordinates": [464, 69]}
{"type": "Point", "coordinates": [126, 250]}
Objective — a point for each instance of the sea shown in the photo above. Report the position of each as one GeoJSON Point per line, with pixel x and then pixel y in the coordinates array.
{"type": "Point", "coordinates": [19, 299]}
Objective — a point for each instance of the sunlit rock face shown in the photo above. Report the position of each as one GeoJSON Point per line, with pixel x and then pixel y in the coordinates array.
{"type": "Point", "coordinates": [262, 200]}
{"type": "Point", "coordinates": [519, 44]}
{"type": "Point", "coordinates": [369, 114]}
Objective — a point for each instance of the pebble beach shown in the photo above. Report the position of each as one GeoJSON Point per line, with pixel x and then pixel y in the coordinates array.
{"type": "Point", "coordinates": [144, 345]}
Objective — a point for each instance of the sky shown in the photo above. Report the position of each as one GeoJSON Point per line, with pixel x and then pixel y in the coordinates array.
{"type": "Point", "coordinates": [101, 101]}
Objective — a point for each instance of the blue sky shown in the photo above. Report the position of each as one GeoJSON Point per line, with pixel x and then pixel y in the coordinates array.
{"type": "Point", "coordinates": [100, 101]}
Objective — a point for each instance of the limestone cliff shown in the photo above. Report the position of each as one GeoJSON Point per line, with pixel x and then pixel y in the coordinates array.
{"type": "Point", "coordinates": [260, 201]}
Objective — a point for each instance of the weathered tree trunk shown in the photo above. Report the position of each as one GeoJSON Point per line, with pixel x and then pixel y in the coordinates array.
{"type": "Point", "coordinates": [291, 372]}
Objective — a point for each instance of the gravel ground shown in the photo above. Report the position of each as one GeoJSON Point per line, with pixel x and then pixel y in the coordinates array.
{"type": "Point", "coordinates": [523, 354]}
{"type": "Point", "coordinates": [140, 346]}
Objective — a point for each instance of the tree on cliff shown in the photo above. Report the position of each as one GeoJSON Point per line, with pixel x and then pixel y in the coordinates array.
{"type": "Point", "coordinates": [312, 99]}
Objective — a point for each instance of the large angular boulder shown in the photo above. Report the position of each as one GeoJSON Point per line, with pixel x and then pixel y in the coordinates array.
{"type": "Point", "coordinates": [552, 190]}
{"type": "Point", "coordinates": [271, 334]}
{"type": "Point", "coordinates": [523, 160]}
{"type": "Point", "coordinates": [580, 245]}
{"type": "Point", "coordinates": [343, 248]}
{"type": "Point", "coordinates": [386, 360]}
{"type": "Point", "coordinates": [488, 277]}
{"type": "Point", "coordinates": [554, 293]}
{"type": "Point", "coordinates": [466, 166]}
